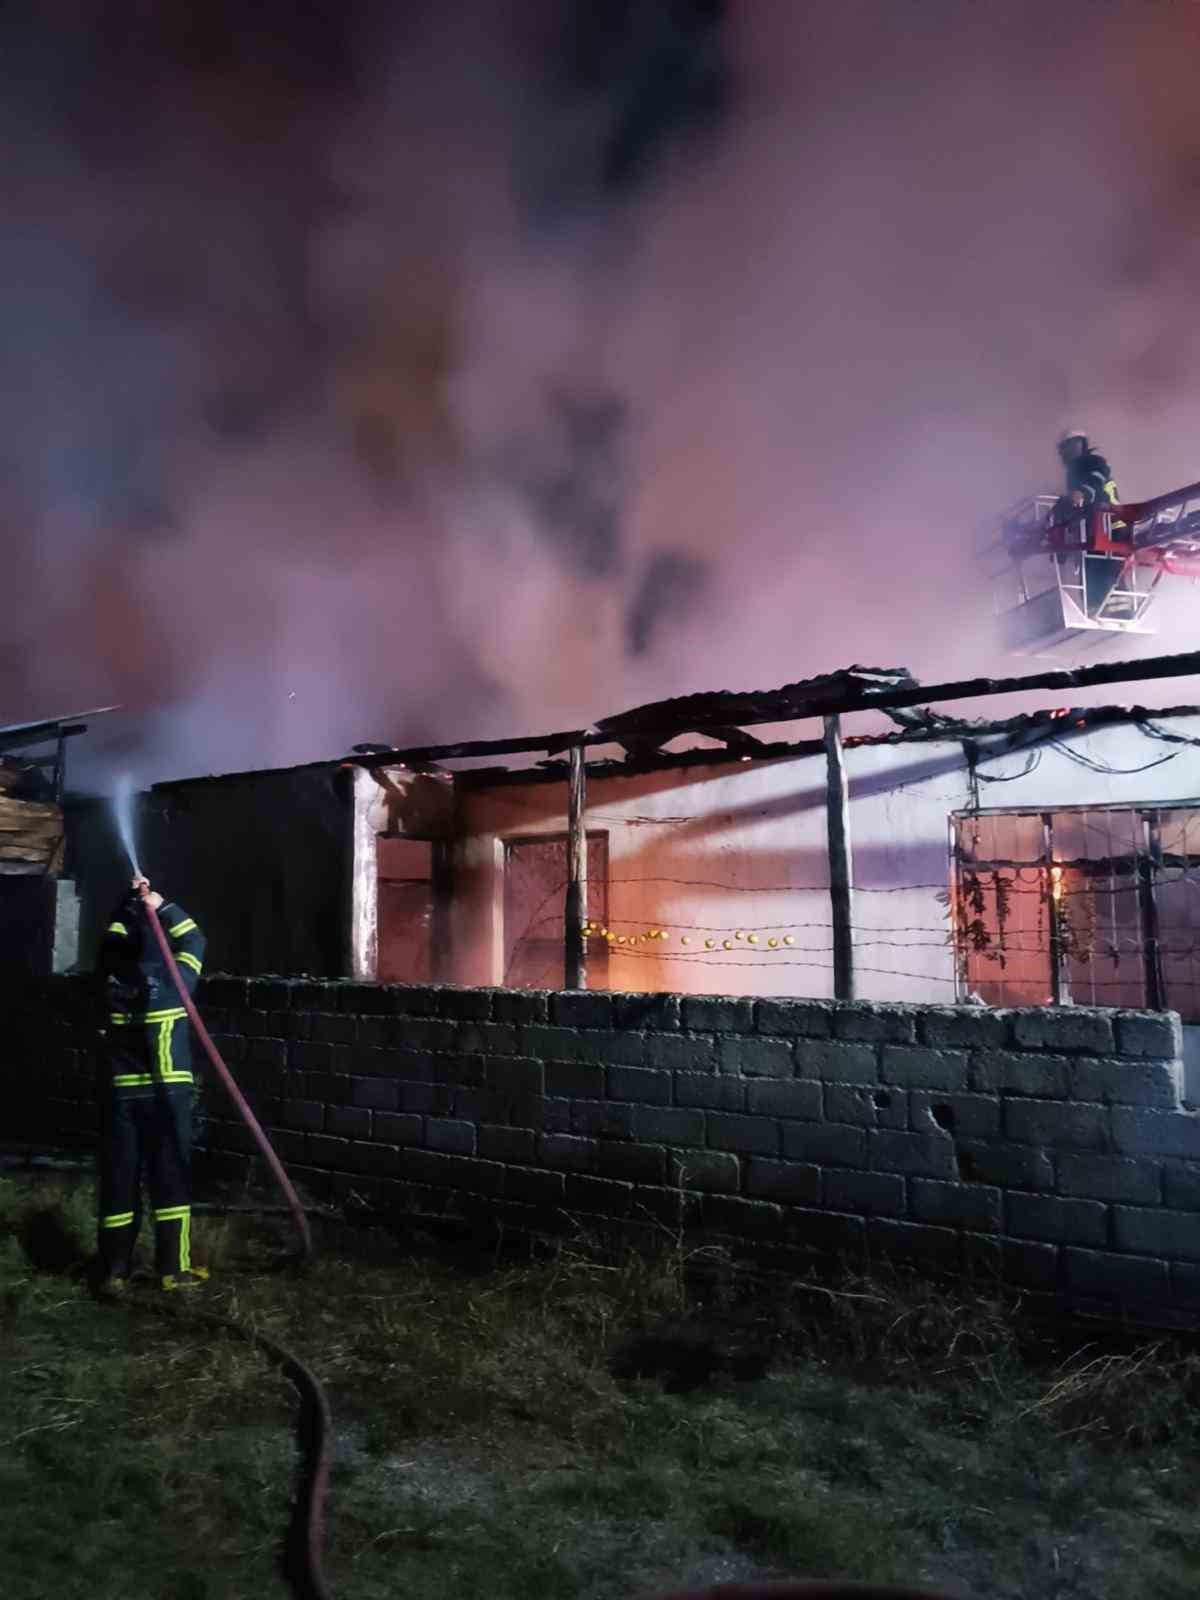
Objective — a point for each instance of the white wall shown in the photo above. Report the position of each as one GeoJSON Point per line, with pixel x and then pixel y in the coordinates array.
{"type": "Point", "coordinates": [758, 830]}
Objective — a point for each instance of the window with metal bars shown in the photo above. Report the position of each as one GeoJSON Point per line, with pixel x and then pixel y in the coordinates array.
{"type": "Point", "coordinates": [1079, 905]}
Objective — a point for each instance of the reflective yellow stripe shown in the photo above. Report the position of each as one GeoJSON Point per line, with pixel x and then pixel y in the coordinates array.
{"type": "Point", "coordinates": [172, 1213]}
{"type": "Point", "coordinates": [118, 927]}
{"type": "Point", "coordinates": [138, 1080]}
{"type": "Point", "coordinates": [173, 1015]}
{"type": "Point", "coordinates": [185, 926]}
{"type": "Point", "coordinates": [1110, 489]}
{"type": "Point", "coordinates": [189, 960]}
{"type": "Point", "coordinates": [164, 1048]}
{"type": "Point", "coordinates": [117, 1220]}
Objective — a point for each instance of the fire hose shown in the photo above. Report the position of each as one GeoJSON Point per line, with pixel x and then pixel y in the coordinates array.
{"type": "Point", "coordinates": [303, 1561]}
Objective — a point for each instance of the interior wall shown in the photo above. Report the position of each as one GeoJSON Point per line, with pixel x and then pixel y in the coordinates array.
{"type": "Point", "coordinates": [706, 852]}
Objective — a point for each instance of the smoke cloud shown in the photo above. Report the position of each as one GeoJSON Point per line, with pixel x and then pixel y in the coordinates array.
{"type": "Point", "coordinates": [378, 373]}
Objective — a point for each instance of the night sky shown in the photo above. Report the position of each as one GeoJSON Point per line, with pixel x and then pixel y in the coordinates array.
{"type": "Point", "coordinates": [434, 370]}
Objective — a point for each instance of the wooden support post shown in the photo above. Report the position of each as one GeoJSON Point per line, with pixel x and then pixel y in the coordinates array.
{"type": "Point", "coordinates": [1149, 866]}
{"type": "Point", "coordinates": [575, 912]}
{"type": "Point", "coordinates": [840, 897]}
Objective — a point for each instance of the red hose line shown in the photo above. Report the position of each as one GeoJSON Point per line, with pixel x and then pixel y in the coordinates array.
{"type": "Point", "coordinates": [235, 1094]}
{"type": "Point", "coordinates": [309, 1520]}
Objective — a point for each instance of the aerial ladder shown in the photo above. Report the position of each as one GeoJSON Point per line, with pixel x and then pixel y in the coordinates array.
{"type": "Point", "coordinates": [1091, 578]}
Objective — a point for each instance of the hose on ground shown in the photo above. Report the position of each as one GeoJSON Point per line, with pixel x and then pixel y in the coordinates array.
{"type": "Point", "coordinates": [302, 1562]}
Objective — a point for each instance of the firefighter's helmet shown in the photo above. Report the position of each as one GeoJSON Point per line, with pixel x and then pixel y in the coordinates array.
{"type": "Point", "coordinates": [1069, 436]}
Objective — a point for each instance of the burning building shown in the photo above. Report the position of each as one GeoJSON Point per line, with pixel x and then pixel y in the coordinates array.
{"type": "Point", "coordinates": [1040, 859]}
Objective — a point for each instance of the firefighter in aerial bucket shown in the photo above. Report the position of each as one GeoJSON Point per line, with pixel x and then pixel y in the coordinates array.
{"type": "Point", "coordinates": [146, 1091]}
{"type": "Point", "coordinates": [1089, 484]}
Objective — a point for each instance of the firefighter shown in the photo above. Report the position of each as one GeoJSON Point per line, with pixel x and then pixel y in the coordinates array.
{"type": "Point", "coordinates": [1089, 483]}
{"type": "Point", "coordinates": [1089, 479]}
{"type": "Point", "coordinates": [146, 1091]}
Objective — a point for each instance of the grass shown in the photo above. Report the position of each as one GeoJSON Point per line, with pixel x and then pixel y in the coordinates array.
{"type": "Point", "coordinates": [580, 1426]}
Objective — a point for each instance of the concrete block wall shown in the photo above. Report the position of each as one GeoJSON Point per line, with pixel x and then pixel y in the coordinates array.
{"type": "Point", "coordinates": [1047, 1149]}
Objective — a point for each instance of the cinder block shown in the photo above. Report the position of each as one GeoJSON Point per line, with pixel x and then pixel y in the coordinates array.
{"type": "Point", "coordinates": [1149, 1033]}
{"type": "Point", "coordinates": [874, 1023]}
{"type": "Point", "coordinates": [507, 1144]}
{"type": "Point", "coordinates": [334, 1029]}
{"type": "Point", "coordinates": [1008, 1072]}
{"type": "Point", "coordinates": [1041, 1216]}
{"type": "Point", "coordinates": [267, 1052]}
{"type": "Point", "coordinates": [633, 1163]}
{"type": "Point", "coordinates": [668, 1124]}
{"type": "Point", "coordinates": [825, 1232]}
{"type": "Point", "coordinates": [1157, 1232]}
{"type": "Point", "coordinates": [836, 1062]}
{"type": "Point", "coordinates": [348, 1122]}
{"type": "Point", "coordinates": [465, 1005]}
{"type": "Point", "coordinates": [598, 1194]}
{"type": "Point", "coordinates": [325, 1151]}
{"type": "Point", "coordinates": [376, 1032]}
{"type": "Point", "coordinates": [754, 1057]}
{"type": "Point", "coordinates": [1103, 1177]}
{"type": "Point", "coordinates": [460, 1172]}
{"type": "Point", "coordinates": [515, 1075]}
{"type": "Point", "coordinates": [710, 1090]}
{"type": "Point", "coordinates": [392, 1128]}
{"type": "Point", "coordinates": [602, 1119]}
{"type": "Point", "coordinates": [456, 1069]}
{"type": "Point", "coordinates": [566, 1150]}
{"type": "Point", "coordinates": [430, 1098]}
{"type": "Point", "coordinates": [520, 1005]}
{"type": "Point", "coordinates": [571, 1078]}
{"type": "Point", "coordinates": [755, 1135]}
{"type": "Point", "coordinates": [915, 1067]}
{"type": "Point", "coordinates": [1016, 1261]}
{"type": "Point", "coordinates": [718, 1014]}
{"type": "Point", "coordinates": [800, 1097]}
{"type": "Point", "coordinates": [1064, 1028]}
{"type": "Point", "coordinates": [613, 1048]}
{"type": "Point", "coordinates": [1156, 1133]}
{"type": "Point", "coordinates": [377, 1094]}
{"type": "Point", "coordinates": [783, 1180]}
{"type": "Point", "coordinates": [872, 1193]}
{"type": "Point", "coordinates": [731, 1214]}
{"type": "Point", "coordinates": [810, 1018]}
{"type": "Point", "coordinates": [673, 1208]}
{"type": "Point", "coordinates": [1101, 1272]}
{"type": "Point", "coordinates": [550, 1044]}
{"type": "Point", "coordinates": [826, 1144]}
{"type": "Point", "coordinates": [972, 1027]}
{"type": "Point", "coordinates": [485, 1038]}
{"type": "Point", "coordinates": [1185, 1283]}
{"type": "Point", "coordinates": [307, 1115]}
{"type": "Point", "coordinates": [289, 1145]}
{"type": "Point", "coordinates": [704, 1169]}
{"type": "Point", "coordinates": [579, 1009]}
{"type": "Point", "coordinates": [446, 1133]}
{"type": "Point", "coordinates": [914, 1241]}
{"type": "Point", "coordinates": [416, 999]}
{"type": "Point", "coordinates": [311, 1056]}
{"type": "Point", "coordinates": [966, 1116]}
{"type": "Point", "coordinates": [929, 1155]}
{"type": "Point", "coordinates": [1052, 1122]}
{"type": "Point", "coordinates": [1130, 1083]}
{"type": "Point", "coordinates": [428, 1033]}
{"type": "Point", "coordinates": [640, 1083]}
{"type": "Point", "coordinates": [378, 1160]}
{"type": "Point", "coordinates": [1182, 1186]}
{"type": "Point", "coordinates": [955, 1204]}
{"type": "Point", "coordinates": [640, 1011]}
{"type": "Point", "coordinates": [866, 1106]}
{"type": "Point", "coordinates": [681, 1052]}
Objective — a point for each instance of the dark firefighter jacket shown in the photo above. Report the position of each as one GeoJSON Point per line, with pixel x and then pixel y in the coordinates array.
{"type": "Point", "coordinates": [1091, 476]}
{"type": "Point", "coordinates": [146, 1029]}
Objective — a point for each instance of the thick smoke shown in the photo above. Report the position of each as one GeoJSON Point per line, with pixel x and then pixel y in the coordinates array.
{"type": "Point", "coordinates": [463, 369]}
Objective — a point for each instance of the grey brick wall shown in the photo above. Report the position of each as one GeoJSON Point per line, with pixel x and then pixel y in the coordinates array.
{"type": "Point", "coordinates": [1046, 1149]}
